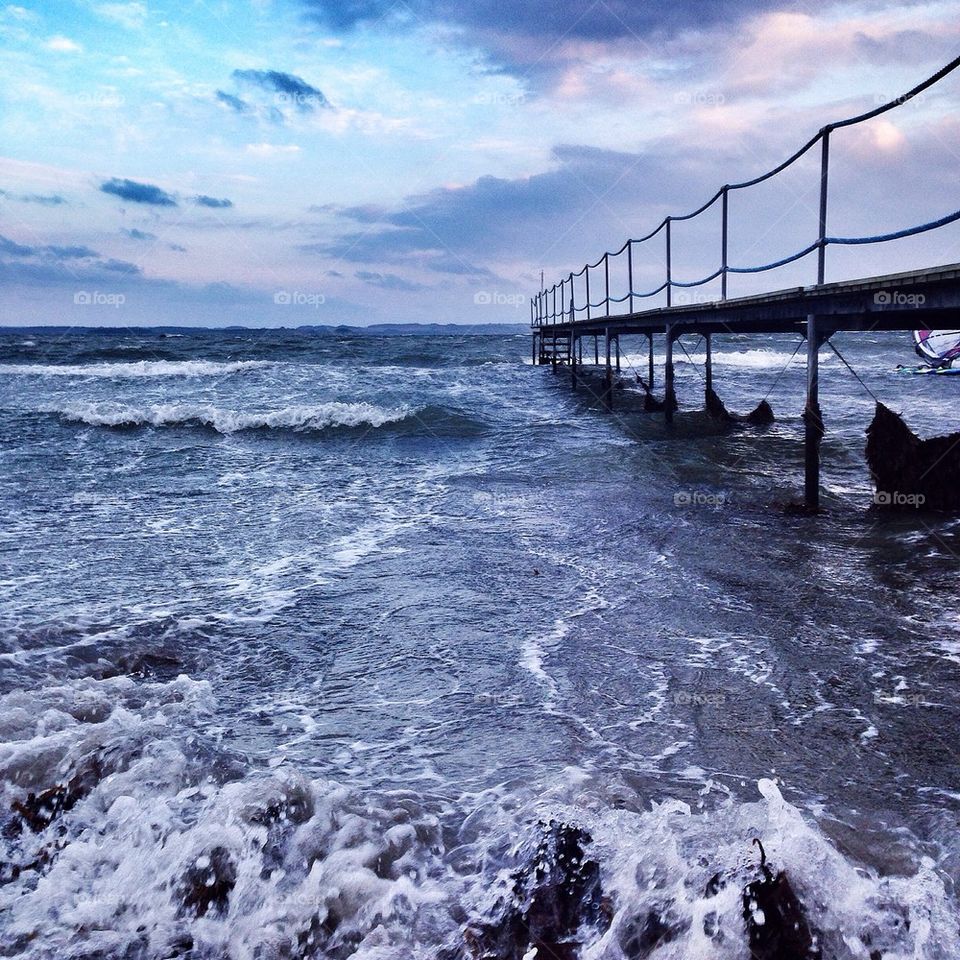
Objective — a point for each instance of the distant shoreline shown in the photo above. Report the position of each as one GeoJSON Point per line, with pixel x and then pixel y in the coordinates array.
{"type": "Point", "coordinates": [373, 330]}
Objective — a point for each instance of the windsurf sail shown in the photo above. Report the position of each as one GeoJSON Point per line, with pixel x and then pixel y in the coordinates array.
{"type": "Point", "coordinates": [939, 347]}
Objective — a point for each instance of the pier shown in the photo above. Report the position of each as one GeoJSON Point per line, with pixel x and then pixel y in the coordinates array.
{"type": "Point", "coordinates": [563, 316]}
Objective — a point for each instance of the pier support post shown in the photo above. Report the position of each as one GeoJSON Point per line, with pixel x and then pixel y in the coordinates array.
{"type": "Point", "coordinates": [708, 364]}
{"type": "Point", "coordinates": [573, 361]}
{"type": "Point", "coordinates": [812, 419]}
{"type": "Point", "coordinates": [669, 394]}
{"type": "Point", "coordinates": [596, 350]}
{"type": "Point", "coordinates": [616, 343]}
{"type": "Point", "coordinates": [533, 349]}
{"type": "Point", "coordinates": [608, 375]}
{"type": "Point", "coordinates": [650, 361]}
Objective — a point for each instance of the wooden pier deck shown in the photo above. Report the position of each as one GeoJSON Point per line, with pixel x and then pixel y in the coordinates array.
{"type": "Point", "coordinates": [927, 298]}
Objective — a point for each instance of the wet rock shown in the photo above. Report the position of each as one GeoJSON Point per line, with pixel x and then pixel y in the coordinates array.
{"type": "Point", "coordinates": [716, 409]}
{"type": "Point", "coordinates": [207, 884]}
{"type": "Point", "coordinates": [645, 934]}
{"type": "Point", "coordinates": [911, 473]}
{"type": "Point", "coordinates": [39, 809]}
{"type": "Point", "coordinates": [760, 416]}
{"type": "Point", "coordinates": [777, 927]}
{"type": "Point", "coordinates": [553, 897]}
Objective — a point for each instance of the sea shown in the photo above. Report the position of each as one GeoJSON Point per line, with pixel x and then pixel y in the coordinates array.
{"type": "Point", "coordinates": [305, 638]}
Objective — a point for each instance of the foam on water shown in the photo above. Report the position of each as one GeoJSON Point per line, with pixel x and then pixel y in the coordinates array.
{"type": "Point", "coordinates": [170, 846]}
{"type": "Point", "coordinates": [138, 369]}
{"type": "Point", "coordinates": [305, 417]}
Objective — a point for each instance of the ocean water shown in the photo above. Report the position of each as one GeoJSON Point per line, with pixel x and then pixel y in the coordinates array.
{"type": "Point", "coordinates": [327, 626]}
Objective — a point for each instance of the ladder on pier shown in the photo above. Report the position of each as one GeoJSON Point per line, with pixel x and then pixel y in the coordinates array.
{"type": "Point", "coordinates": [554, 349]}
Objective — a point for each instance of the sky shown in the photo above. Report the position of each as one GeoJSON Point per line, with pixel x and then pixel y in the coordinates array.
{"type": "Point", "coordinates": [289, 162]}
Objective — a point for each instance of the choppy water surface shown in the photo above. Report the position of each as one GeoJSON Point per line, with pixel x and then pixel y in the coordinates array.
{"type": "Point", "coordinates": [328, 625]}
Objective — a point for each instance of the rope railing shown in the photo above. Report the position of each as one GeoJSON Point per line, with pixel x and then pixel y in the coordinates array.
{"type": "Point", "coordinates": [559, 301]}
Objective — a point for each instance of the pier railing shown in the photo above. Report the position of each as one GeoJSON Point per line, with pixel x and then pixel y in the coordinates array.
{"type": "Point", "coordinates": [558, 303]}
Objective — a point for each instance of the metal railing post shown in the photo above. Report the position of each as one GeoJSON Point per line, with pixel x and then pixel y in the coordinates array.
{"type": "Point", "coordinates": [723, 251]}
{"type": "Point", "coordinates": [630, 275]}
{"type": "Point", "coordinates": [606, 282]}
{"type": "Point", "coordinates": [586, 273]}
{"type": "Point", "coordinates": [669, 271]}
{"type": "Point", "coordinates": [555, 303]}
{"type": "Point", "coordinates": [824, 172]}
{"type": "Point", "coordinates": [573, 291]}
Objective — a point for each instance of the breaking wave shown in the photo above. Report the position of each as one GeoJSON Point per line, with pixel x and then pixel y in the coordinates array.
{"type": "Point", "coordinates": [137, 369]}
{"type": "Point", "coordinates": [297, 418]}
{"type": "Point", "coordinates": [301, 417]}
{"type": "Point", "coordinates": [129, 831]}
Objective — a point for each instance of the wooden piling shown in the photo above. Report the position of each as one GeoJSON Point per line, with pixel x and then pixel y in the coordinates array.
{"type": "Point", "coordinates": [608, 377]}
{"type": "Point", "coordinates": [813, 422]}
{"type": "Point", "coordinates": [708, 365]}
{"type": "Point", "coordinates": [669, 394]}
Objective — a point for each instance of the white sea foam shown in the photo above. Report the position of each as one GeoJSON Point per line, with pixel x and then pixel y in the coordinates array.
{"type": "Point", "coordinates": [284, 865]}
{"type": "Point", "coordinates": [137, 369]}
{"type": "Point", "coordinates": [758, 359]}
{"type": "Point", "coordinates": [299, 417]}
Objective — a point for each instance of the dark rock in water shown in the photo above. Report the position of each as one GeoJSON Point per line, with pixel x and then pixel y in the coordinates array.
{"type": "Point", "coordinates": [643, 936]}
{"type": "Point", "coordinates": [761, 416]}
{"type": "Point", "coordinates": [553, 897]}
{"type": "Point", "coordinates": [651, 404]}
{"type": "Point", "coordinates": [911, 473]}
{"type": "Point", "coordinates": [38, 810]}
{"type": "Point", "coordinates": [716, 408]}
{"type": "Point", "coordinates": [208, 883]}
{"type": "Point", "coordinates": [776, 925]}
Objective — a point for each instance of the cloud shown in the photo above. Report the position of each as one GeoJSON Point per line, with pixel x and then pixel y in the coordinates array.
{"type": "Point", "coordinates": [44, 199]}
{"type": "Point", "coordinates": [449, 229]}
{"type": "Point", "coordinates": [15, 249]}
{"type": "Point", "coordinates": [520, 38]}
{"type": "Point", "coordinates": [134, 234]}
{"type": "Point", "coordinates": [50, 260]}
{"type": "Point", "coordinates": [272, 149]}
{"type": "Point", "coordinates": [62, 45]}
{"type": "Point", "coordinates": [387, 281]}
{"type": "Point", "coordinates": [138, 192]}
{"type": "Point", "coordinates": [288, 90]}
{"type": "Point", "coordinates": [130, 15]}
{"type": "Point", "coordinates": [234, 103]}
{"type": "Point", "coordinates": [75, 252]}
{"type": "Point", "coordinates": [204, 201]}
